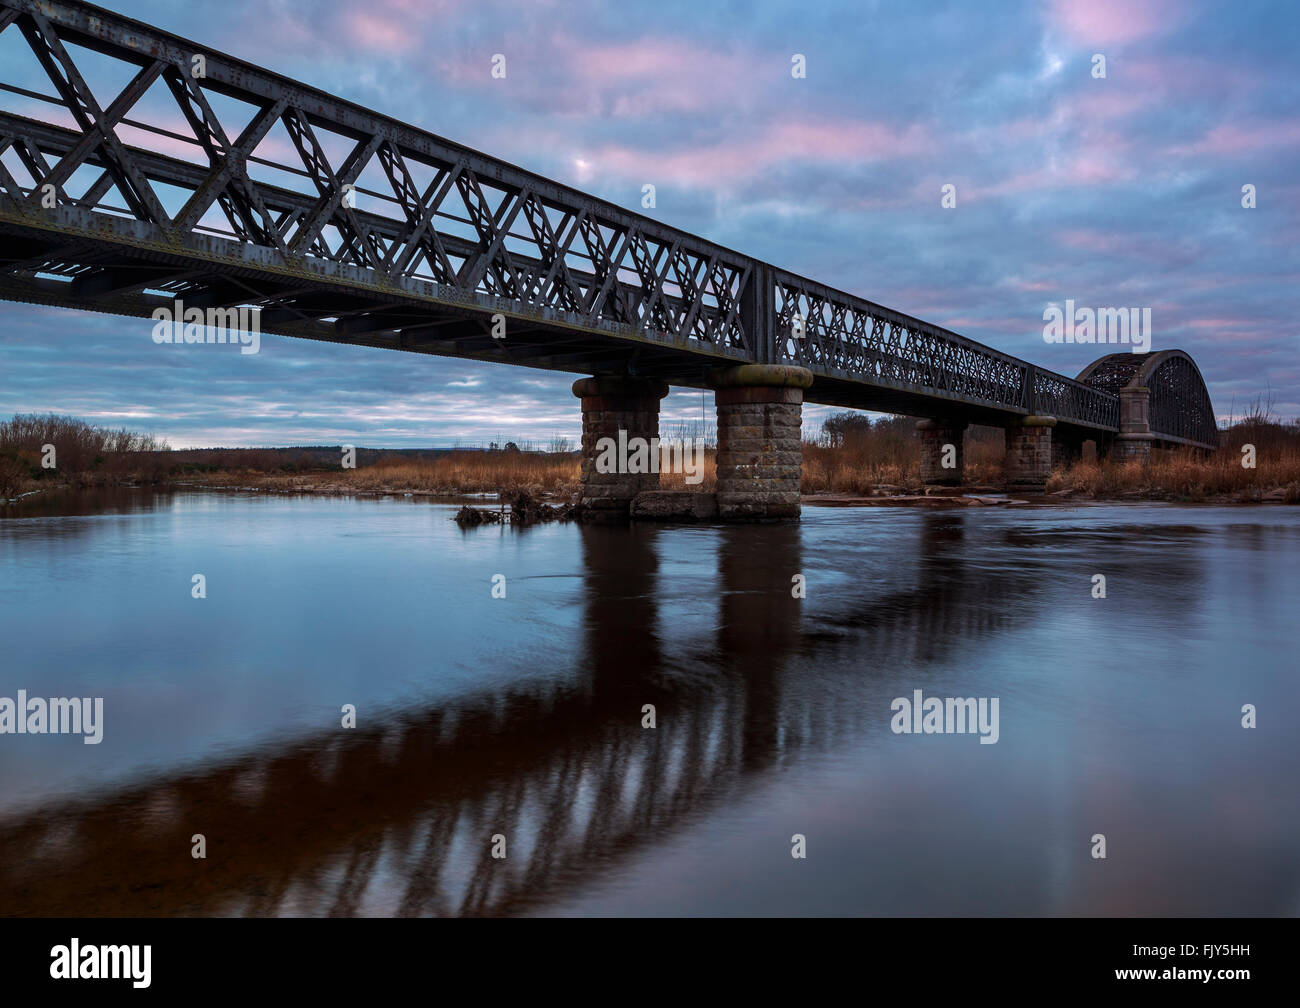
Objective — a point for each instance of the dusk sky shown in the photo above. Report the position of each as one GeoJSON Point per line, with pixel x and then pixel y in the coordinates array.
{"type": "Point", "coordinates": [1122, 191]}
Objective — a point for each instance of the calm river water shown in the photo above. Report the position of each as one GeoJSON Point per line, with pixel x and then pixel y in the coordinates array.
{"type": "Point", "coordinates": [514, 725]}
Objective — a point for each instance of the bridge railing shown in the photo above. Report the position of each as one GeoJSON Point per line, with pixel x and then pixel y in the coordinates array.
{"type": "Point", "coordinates": [1067, 399]}
{"type": "Point", "coordinates": [836, 333]}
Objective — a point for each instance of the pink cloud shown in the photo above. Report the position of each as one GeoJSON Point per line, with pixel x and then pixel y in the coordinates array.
{"type": "Point", "coordinates": [1107, 243]}
{"type": "Point", "coordinates": [1188, 76]}
{"type": "Point", "coordinates": [1099, 22]}
{"type": "Point", "coordinates": [963, 324]}
{"type": "Point", "coordinates": [276, 30]}
{"type": "Point", "coordinates": [1032, 286]}
{"type": "Point", "coordinates": [160, 144]}
{"type": "Point", "coordinates": [640, 59]}
{"type": "Point", "coordinates": [1092, 116]}
{"type": "Point", "coordinates": [1237, 138]}
{"type": "Point", "coordinates": [747, 157]}
{"type": "Point", "coordinates": [381, 26]}
{"type": "Point", "coordinates": [642, 78]}
{"type": "Point", "coordinates": [370, 31]}
{"type": "Point", "coordinates": [1096, 163]}
{"type": "Point", "coordinates": [1222, 323]}
{"type": "Point", "coordinates": [386, 25]}
{"type": "Point", "coordinates": [1089, 166]}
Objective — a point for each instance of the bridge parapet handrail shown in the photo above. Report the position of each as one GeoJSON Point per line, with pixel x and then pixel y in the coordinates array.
{"type": "Point", "coordinates": [1068, 399]}
{"type": "Point", "coordinates": [843, 332]}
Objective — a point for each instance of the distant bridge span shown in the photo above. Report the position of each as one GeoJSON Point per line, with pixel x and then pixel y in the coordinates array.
{"type": "Point", "coordinates": [235, 188]}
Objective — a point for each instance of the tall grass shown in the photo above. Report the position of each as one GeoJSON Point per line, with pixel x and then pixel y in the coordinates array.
{"type": "Point", "coordinates": [449, 475]}
{"type": "Point", "coordinates": [1187, 475]}
{"type": "Point", "coordinates": [464, 473]}
{"type": "Point", "coordinates": [471, 473]}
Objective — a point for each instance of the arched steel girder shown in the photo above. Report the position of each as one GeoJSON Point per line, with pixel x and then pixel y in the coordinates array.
{"type": "Point", "coordinates": [1180, 409]}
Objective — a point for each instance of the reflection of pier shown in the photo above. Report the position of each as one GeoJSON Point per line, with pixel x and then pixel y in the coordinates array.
{"type": "Point", "coordinates": [397, 819]}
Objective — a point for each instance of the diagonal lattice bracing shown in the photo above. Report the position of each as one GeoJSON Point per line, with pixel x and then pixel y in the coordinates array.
{"type": "Point", "coordinates": [850, 335]}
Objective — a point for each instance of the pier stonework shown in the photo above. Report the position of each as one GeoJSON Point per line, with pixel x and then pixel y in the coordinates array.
{"type": "Point", "coordinates": [1029, 452]}
{"type": "Point", "coordinates": [935, 436]}
{"type": "Point", "coordinates": [623, 408]}
{"type": "Point", "coordinates": [1134, 441]}
{"type": "Point", "coordinates": [760, 451]}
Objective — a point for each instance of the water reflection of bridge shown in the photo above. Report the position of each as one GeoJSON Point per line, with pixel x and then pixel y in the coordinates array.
{"type": "Point", "coordinates": [396, 819]}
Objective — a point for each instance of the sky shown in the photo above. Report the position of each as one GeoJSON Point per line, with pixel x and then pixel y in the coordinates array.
{"type": "Point", "coordinates": [1122, 190]}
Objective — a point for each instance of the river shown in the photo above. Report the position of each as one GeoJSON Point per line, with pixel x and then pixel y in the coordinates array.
{"type": "Point", "coordinates": [504, 681]}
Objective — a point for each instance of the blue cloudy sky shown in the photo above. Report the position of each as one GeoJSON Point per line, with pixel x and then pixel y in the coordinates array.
{"type": "Point", "coordinates": [1117, 191]}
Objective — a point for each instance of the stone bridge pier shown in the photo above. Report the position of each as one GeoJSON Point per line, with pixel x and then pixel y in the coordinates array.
{"type": "Point", "coordinates": [1028, 461]}
{"type": "Point", "coordinates": [1135, 438]}
{"type": "Point", "coordinates": [619, 414]}
{"type": "Point", "coordinates": [942, 442]}
{"type": "Point", "coordinates": [760, 446]}
{"type": "Point", "coordinates": [759, 458]}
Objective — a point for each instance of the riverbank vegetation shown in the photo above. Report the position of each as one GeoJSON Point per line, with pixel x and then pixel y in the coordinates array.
{"type": "Point", "coordinates": [450, 475]}
{"type": "Point", "coordinates": [853, 455]}
{"type": "Point", "coordinates": [40, 451]}
{"type": "Point", "coordinates": [859, 456]}
{"type": "Point", "coordinates": [1259, 460]}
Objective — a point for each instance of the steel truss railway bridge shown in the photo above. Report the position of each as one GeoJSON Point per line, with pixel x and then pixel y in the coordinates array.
{"type": "Point", "coordinates": [212, 182]}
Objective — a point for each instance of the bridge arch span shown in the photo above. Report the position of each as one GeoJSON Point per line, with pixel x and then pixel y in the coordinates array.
{"type": "Point", "coordinates": [1177, 407]}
